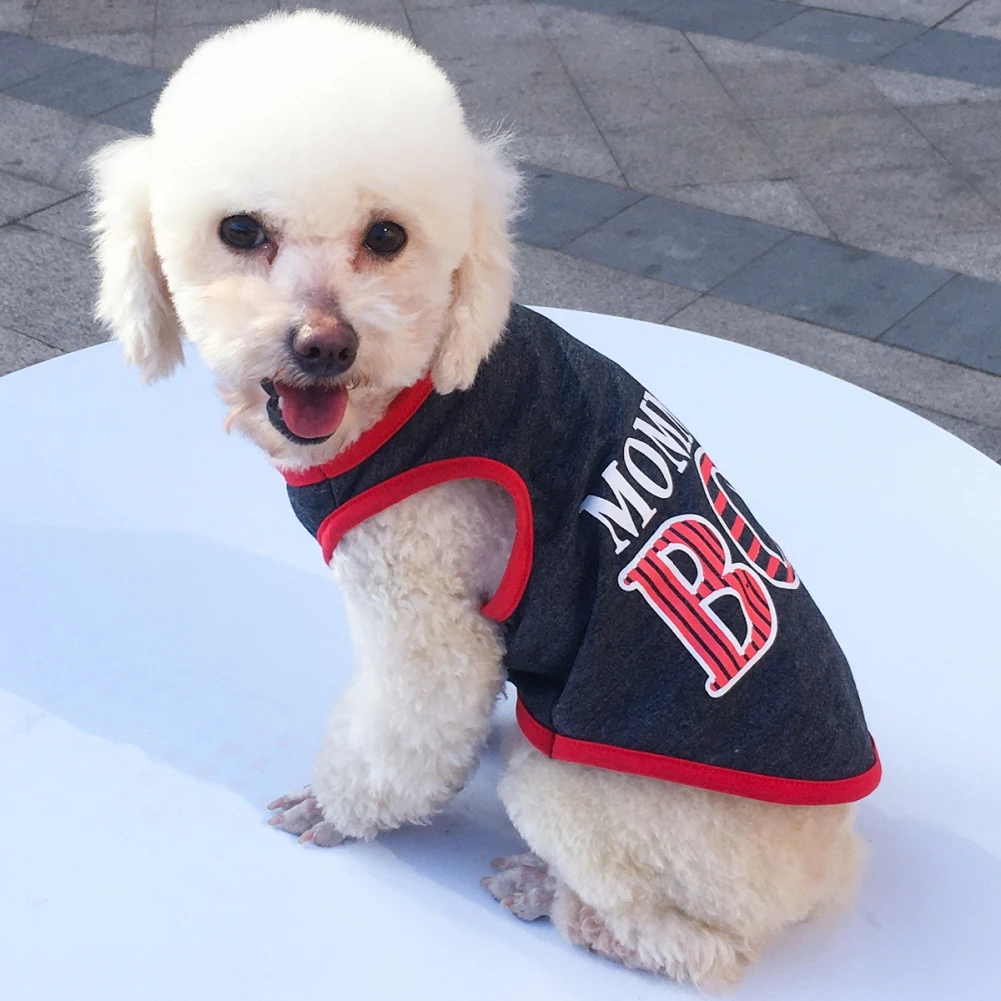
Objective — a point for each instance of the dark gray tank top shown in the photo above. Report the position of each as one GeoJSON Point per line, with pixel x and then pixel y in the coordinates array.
{"type": "Point", "coordinates": [651, 624]}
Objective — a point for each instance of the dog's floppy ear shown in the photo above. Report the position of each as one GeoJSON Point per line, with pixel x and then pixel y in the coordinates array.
{"type": "Point", "coordinates": [484, 281]}
{"type": "Point", "coordinates": [133, 300]}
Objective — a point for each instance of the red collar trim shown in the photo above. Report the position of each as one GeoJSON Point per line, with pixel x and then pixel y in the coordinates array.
{"type": "Point", "coordinates": [403, 407]}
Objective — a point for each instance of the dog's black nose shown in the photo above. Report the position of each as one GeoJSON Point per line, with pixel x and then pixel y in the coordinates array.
{"type": "Point", "coordinates": [325, 348]}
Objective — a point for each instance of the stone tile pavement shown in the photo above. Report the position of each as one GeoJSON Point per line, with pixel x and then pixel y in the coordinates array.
{"type": "Point", "coordinates": [821, 180]}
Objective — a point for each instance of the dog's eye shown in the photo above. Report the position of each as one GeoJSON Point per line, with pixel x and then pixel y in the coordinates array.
{"type": "Point", "coordinates": [385, 238]}
{"type": "Point", "coordinates": [242, 232]}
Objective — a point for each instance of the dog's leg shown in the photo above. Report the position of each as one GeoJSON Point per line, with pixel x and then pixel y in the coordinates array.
{"type": "Point", "coordinates": [406, 733]}
{"type": "Point", "coordinates": [525, 886]}
{"type": "Point", "coordinates": [683, 882]}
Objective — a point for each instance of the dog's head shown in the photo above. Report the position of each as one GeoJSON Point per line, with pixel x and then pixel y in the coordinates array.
{"type": "Point", "coordinates": [313, 213]}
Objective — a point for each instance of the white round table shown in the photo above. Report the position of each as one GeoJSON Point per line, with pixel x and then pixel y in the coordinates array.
{"type": "Point", "coordinates": [170, 643]}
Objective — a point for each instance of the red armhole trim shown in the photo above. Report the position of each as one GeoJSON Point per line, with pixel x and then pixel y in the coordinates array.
{"type": "Point", "coordinates": [771, 789]}
{"type": "Point", "coordinates": [390, 492]}
{"type": "Point", "coordinates": [403, 407]}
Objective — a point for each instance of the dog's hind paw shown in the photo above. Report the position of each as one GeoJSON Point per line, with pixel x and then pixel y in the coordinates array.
{"type": "Point", "coordinates": [523, 885]}
{"type": "Point", "coordinates": [299, 813]}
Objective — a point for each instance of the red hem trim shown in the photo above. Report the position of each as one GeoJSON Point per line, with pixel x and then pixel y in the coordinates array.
{"type": "Point", "coordinates": [770, 788]}
{"type": "Point", "coordinates": [403, 407]}
{"type": "Point", "coordinates": [392, 491]}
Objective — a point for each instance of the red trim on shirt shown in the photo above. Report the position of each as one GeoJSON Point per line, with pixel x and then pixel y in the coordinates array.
{"type": "Point", "coordinates": [770, 788]}
{"type": "Point", "coordinates": [403, 407]}
{"type": "Point", "coordinates": [397, 488]}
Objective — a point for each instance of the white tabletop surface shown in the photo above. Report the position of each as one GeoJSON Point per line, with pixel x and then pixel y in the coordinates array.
{"type": "Point", "coordinates": [170, 642]}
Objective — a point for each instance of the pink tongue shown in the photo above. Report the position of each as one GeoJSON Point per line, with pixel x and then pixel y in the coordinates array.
{"type": "Point", "coordinates": [312, 413]}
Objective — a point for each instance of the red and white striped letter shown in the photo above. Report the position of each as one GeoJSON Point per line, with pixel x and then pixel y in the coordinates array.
{"type": "Point", "coordinates": [761, 551]}
{"type": "Point", "coordinates": [685, 601]}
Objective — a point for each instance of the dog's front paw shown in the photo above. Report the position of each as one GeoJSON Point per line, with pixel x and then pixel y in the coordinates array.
{"type": "Point", "coordinates": [299, 813]}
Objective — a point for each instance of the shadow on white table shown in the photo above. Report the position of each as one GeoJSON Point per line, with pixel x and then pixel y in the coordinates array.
{"type": "Point", "coordinates": [170, 642]}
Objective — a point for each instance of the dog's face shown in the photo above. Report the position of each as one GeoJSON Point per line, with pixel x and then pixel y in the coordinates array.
{"type": "Point", "coordinates": [313, 214]}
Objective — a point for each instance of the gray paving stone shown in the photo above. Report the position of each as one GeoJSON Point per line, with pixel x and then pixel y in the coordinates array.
{"type": "Point", "coordinates": [906, 202]}
{"type": "Point", "coordinates": [984, 439]}
{"type": "Point", "coordinates": [712, 151]}
{"type": "Point", "coordinates": [181, 13]}
{"type": "Point", "coordinates": [778, 203]}
{"type": "Point", "coordinates": [47, 288]}
{"type": "Point", "coordinates": [134, 116]}
{"type": "Point", "coordinates": [392, 18]}
{"type": "Point", "coordinates": [840, 36]}
{"type": "Point", "coordinates": [726, 52]}
{"type": "Point", "coordinates": [977, 254]}
{"type": "Point", "coordinates": [927, 12]}
{"type": "Point", "coordinates": [34, 141]}
{"type": "Point", "coordinates": [663, 103]}
{"type": "Point", "coordinates": [69, 17]}
{"type": "Point", "coordinates": [23, 59]}
{"type": "Point", "coordinates": [18, 351]}
{"type": "Point", "coordinates": [174, 42]}
{"type": "Point", "coordinates": [682, 244]}
{"type": "Point", "coordinates": [19, 197]}
{"type": "Point", "coordinates": [69, 220]}
{"type": "Point", "coordinates": [582, 153]}
{"type": "Point", "coordinates": [90, 86]}
{"type": "Point", "coordinates": [635, 76]}
{"type": "Point", "coordinates": [15, 15]}
{"type": "Point", "coordinates": [72, 175]}
{"type": "Point", "coordinates": [464, 32]}
{"type": "Point", "coordinates": [516, 73]}
{"type": "Point", "coordinates": [964, 133]}
{"type": "Point", "coordinates": [525, 89]}
{"type": "Point", "coordinates": [358, 8]}
{"type": "Point", "coordinates": [135, 47]}
{"type": "Point", "coordinates": [560, 150]}
{"type": "Point", "coordinates": [960, 323]}
{"type": "Point", "coordinates": [951, 54]}
{"type": "Point", "coordinates": [618, 49]}
{"type": "Point", "coordinates": [367, 10]}
{"type": "Point", "coordinates": [986, 178]}
{"type": "Point", "coordinates": [738, 19]}
{"type": "Point", "coordinates": [857, 140]}
{"type": "Point", "coordinates": [833, 285]}
{"type": "Point", "coordinates": [907, 89]}
{"type": "Point", "coordinates": [646, 87]}
{"type": "Point", "coordinates": [612, 8]}
{"type": "Point", "coordinates": [435, 4]}
{"type": "Point", "coordinates": [549, 278]}
{"type": "Point", "coordinates": [889, 371]}
{"type": "Point", "coordinates": [781, 89]}
{"type": "Point", "coordinates": [560, 207]}
{"type": "Point", "coordinates": [982, 17]}
{"type": "Point", "coordinates": [171, 46]}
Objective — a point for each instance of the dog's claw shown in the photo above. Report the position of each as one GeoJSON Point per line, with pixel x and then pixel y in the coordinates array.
{"type": "Point", "coordinates": [323, 835]}
{"type": "Point", "coordinates": [292, 799]}
{"type": "Point", "coordinates": [299, 816]}
{"type": "Point", "coordinates": [299, 813]}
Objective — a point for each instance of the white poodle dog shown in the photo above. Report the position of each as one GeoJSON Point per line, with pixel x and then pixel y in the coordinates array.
{"type": "Point", "coordinates": [314, 214]}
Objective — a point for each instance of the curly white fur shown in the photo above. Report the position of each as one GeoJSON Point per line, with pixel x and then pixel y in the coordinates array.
{"type": "Point", "coordinates": [318, 125]}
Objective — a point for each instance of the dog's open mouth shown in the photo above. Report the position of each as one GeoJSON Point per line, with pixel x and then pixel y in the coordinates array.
{"type": "Point", "coordinates": [307, 415]}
